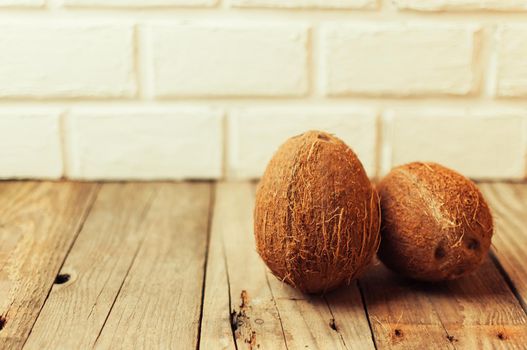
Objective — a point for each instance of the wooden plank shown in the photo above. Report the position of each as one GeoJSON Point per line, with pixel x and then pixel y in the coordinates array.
{"type": "Point", "coordinates": [38, 224]}
{"type": "Point", "coordinates": [268, 314]}
{"type": "Point", "coordinates": [509, 205]}
{"type": "Point", "coordinates": [351, 320]}
{"type": "Point", "coordinates": [480, 311]}
{"type": "Point", "coordinates": [335, 321]}
{"type": "Point", "coordinates": [97, 265]}
{"type": "Point", "coordinates": [159, 304]}
{"type": "Point", "coordinates": [476, 312]}
{"type": "Point", "coordinates": [401, 314]}
{"type": "Point", "coordinates": [236, 279]}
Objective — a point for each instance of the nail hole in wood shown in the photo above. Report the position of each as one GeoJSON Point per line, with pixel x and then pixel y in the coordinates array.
{"type": "Point", "coordinates": [2, 322]}
{"type": "Point", "coordinates": [333, 324]}
{"type": "Point", "coordinates": [398, 332]}
{"type": "Point", "coordinates": [502, 336]}
{"type": "Point", "coordinates": [451, 338]}
{"type": "Point", "coordinates": [62, 278]}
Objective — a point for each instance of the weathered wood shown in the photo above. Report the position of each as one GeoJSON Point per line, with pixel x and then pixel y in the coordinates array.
{"type": "Point", "coordinates": [351, 320]}
{"type": "Point", "coordinates": [159, 304]}
{"type": "Point", "coordinates": [233, 260]}
{"type": "Point", "coordinates": [216, 328]}
{"type": "Point", "coordinates": [401, 314]}
{"type": "Point", "coordinates": [98, 263]}
{"type": "Point", "coordinates": [38, 225]}
{"type": "Point", "coordinates": [509, 244]}
{"type": "Point", "coordinates": [479, 311]}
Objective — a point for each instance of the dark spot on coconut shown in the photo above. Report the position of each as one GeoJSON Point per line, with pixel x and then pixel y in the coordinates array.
{"type": "Point", "coordinates": [62, 278]}
{"type": "Point", "coordinates": [473, 244]}
{"type": "Point", "coordinates": [332, 324]}
{"type": "Point", "coordinates": [2, 322]}
{"type": "Point", "coordinates": [502, 336]}
{"type": "Point", "coordinates": [439, 253]}
{"type": "Point", "coordinates": [323, 137]}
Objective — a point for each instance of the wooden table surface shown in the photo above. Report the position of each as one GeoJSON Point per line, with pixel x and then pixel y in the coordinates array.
{"type": "Point", "coordinates": [173, 266]}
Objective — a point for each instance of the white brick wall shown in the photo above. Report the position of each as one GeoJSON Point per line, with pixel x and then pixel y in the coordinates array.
{"type": "Point", "coordinates": [208, 89]}
{"type": "Point", "coordinates": [64, 60]}
{"type": "Point", "coordinates": [398, 59]}
{"type": "Point", "coordinates": [30, 143]}
{"type": "Point", "coordinates": [441, 5]}
{"type": "Point", "coordinates": [512, 61]}
{"type": "Point", "coordinates": [225, 59]}
{"type": "Point", "coordinates": [481, 143]}
{"type": "Point", "coordinates": [139, 3]}
{"type": "Point", "coordinates": [21, 3]}
{"type": "Point", "coordinates": [144, 144]}
{"type": "Point", "coordinates": [255, 134]}
{"type": "Point", "coordinates": [333, 4]}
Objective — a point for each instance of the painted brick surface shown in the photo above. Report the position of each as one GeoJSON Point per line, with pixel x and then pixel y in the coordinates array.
{"type": "Point", "coordinates": [229, 60]}
{"type": "Point", "coordinates": [442, 5]}
{"type": "Point", "coordinates": [396, 59]}
{"type": "Point", "coordinates": [140, 3]}
{"type": "Point", "coordinates": [256, 133]}
{"type": "Point", "coordinates": [21, 3]}
{"type": "Point", "coordinates": [512, 61]}
{"type": "Point", "coordinates": [64, 60]}
{"type": "Point", "coordinates": [332, 4]}
{"type": "Point", "coordinates": [484, 144]}
{"type": "Point", "coordinates": [30, 143]}
{"type": "Point", "coordinates": [145, 143]}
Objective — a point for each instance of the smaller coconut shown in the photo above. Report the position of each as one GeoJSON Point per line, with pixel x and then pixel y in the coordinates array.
{"type": "Point", "coordinates": [436, 224]}
{"type": "Point", "coordinates": [316, 218]}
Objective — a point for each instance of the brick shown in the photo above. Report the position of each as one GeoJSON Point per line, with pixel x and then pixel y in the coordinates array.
{"type": "Point", "coordinates": [256, 133]}
{"type": "Point", "coordinates": [22, 3]}
{"type": "Point", "coordinates": [140, 3]}
{"type": "Point", "coordinates": [489, 144]}
{"type": "Point", "coordinates": [399, 60]}
{"type": "Point", "coordinates": [461, 5]}
{"type": "Point", "coordinates": [144, 144]}
{"type": "Point", "coordinates": [30, 143]}
{"type": "Point", "coordinates": [330, 4]}
{"type": "Point", "coordinates": [512, 61]}
{"type": "Point", "coordinates": [64, 60]}
{"type": "Point", "coordinates": [229, 60]}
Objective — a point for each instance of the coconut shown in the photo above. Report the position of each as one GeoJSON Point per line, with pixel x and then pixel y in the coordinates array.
{"type": "Point", "coordinates": [436, 224]}
{"type": "Point", "coordinates": [316, 218]}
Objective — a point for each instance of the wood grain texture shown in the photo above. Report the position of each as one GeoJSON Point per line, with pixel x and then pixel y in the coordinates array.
{"type": "Point", "coordinates": [159, 304]}
{"type": "Point", "coordinates": [401, 315]}
{"type": "Point", "coordinates": [98, 263]}
{"type": "Point", "coordinates": [255, 320]}
{"type": "Point", "coordinates": [509, 244]}
{"type": "Point", "coordinates": [480, 311]}
{"type": "Point", "coordinates": [38, 225]}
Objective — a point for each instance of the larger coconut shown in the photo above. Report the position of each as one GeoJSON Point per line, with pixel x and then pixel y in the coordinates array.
{"type": "Point", "coordinates": [436, 224]}
{"type": "Point", "coordinates": [316, 219]}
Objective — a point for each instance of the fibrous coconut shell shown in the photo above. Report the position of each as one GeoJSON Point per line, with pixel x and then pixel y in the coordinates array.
{"type": "Point", "coordinates": [436, 224]}
{"type": "Point", "coordinates": [316, 218]}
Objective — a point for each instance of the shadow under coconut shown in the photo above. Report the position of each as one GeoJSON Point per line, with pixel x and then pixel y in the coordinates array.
{"type": "Point", "coordinates": [486, 286]}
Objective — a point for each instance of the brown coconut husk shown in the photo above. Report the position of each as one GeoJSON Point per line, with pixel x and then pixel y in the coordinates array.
{"type": "Point", "coordinates": [316, 219]}
{"type": "Point", "coordinates": [436, 224]}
